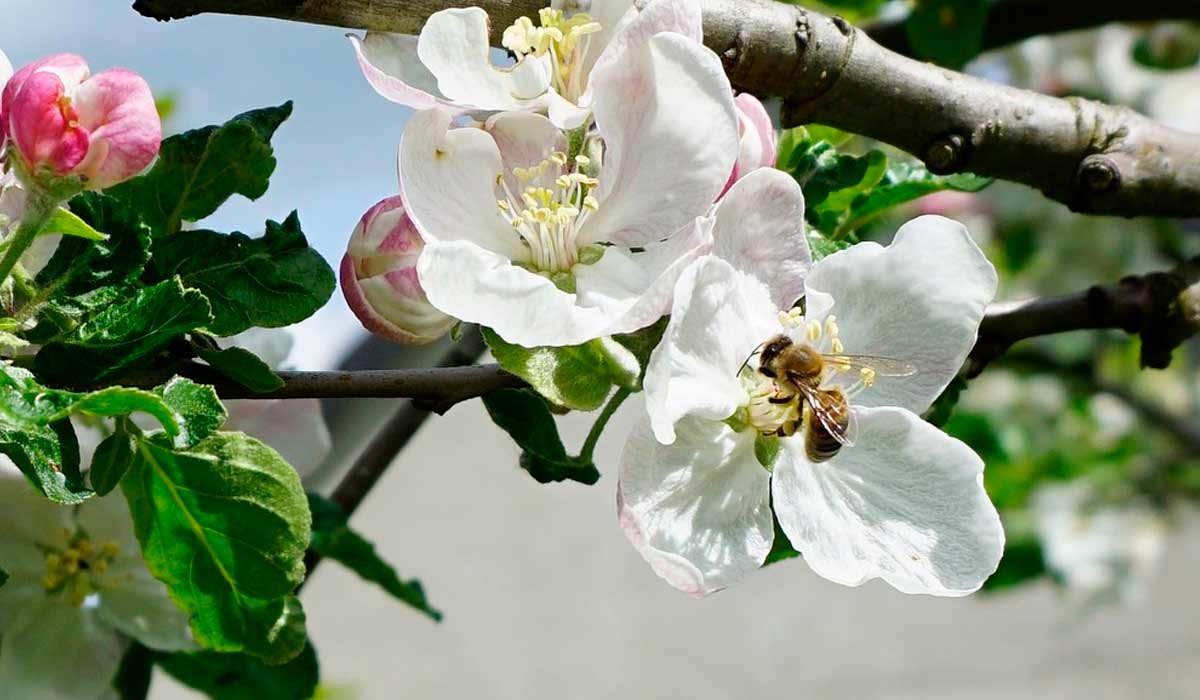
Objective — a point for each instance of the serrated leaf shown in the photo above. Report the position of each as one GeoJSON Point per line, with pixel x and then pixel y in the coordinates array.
{"type": "Point", "coordinates": [904, 184]}
{"type": "Point", "coordinates": [225, 525]}
{"type": "Point", "coordinates": [132, 681]}
{"type": "Point", "coordinates": [269, 282]}
{"type": "Point", "coordinates": [243, 367]}
{"type": "Point", "coordinates": [947, 32]}
{"type": "Point", "coordinates": [576, 376]}
{"type": "Point", "coordinates": [112, 458]}
{"type": "Point", "coordinates": [198, 170]}
{"type": "Point", "coordinates": [243, 677]}
{"type": "Point", "coordinates": [37, 453]}
{"type": "Point", "coordinates": [528, 421]}
{"type": "Point", "coordinates": [80, 266]}
{"type": "Point", "coordinates": [202, 413]}
{"type": "Point", "coordinates": [124, 335]}
{"type": "Point", "coordinates": [63, 223]}
{"type": "Point", "coordinates": [333, 539]}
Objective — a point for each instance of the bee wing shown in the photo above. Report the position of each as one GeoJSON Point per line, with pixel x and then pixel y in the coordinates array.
{"type": "Point", "coordinates": [883, 366]}
{"type": "Point", "coordinates": [827, 407]}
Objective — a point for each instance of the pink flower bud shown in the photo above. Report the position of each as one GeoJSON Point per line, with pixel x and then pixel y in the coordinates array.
{"type": "Point", "coordinates": [104, 128]}
{"type": "Point", "coordinates": [379, 278]}
{"type": "Point", "coordinates": [757, 142]}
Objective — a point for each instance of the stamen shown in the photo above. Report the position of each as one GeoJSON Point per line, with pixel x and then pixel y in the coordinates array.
{"type": "Point", "coordinates": [813, 331]}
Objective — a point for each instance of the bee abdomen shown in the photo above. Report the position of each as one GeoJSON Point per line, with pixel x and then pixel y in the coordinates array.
{"type": "Point", "coordinates": [818, 443]}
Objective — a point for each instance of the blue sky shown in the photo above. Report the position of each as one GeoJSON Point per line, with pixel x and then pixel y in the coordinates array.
{"type": "Point", "coordinates": [336, 154]}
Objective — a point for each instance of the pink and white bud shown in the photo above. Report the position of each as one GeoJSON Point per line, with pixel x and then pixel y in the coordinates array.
{"type": "Point", "coordinates": [756, 139]}
{"type": "Point", "coordinates": [103, 129]}
{"type": "Point", "coordinates": [379, 278]}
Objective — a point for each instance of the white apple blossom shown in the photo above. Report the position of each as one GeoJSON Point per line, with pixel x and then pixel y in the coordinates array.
{"type": "Point", "coordinates": [78, 590]}
{"type": "Point", "coordinates": [551, 250]}
{"type": "Point", "coordinates": [449, 65]}
{"type": "Point", "coordinates": [904, 503]}
{"type": "Point", "coordinates": [1101, 551]}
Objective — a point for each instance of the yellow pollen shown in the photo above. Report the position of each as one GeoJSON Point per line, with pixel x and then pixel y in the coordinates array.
{"type": "Point", "coordinates": [868, 376]}
{"type": "Point", "coordinates": [563, 38]}
{"type": "Point", "coordinates": [591, 203]}
{"type": "Point", "coordinates": [582, 161]}
{"type": "Point", "coordinates": [837, 346]}
{"type": "Point", "coordinates": [831, 327]}
{"type": "Point", "coordinates": [812, 331]}
{"type": "Point", "coordinates": [558, 158]}
{"type": "Point", "coordinates": [70, 570]}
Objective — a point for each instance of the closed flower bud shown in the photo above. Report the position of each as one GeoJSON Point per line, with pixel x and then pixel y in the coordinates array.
{"type": "Point", "coordinates": [756, 139]}
{"type": "Point", "coordinates": [379, 278]}
{"type": "Point", "coordinates": [60, 123]}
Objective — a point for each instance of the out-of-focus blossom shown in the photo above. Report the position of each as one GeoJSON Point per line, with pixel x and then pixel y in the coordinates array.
{"type": "Point", "coordinates": [757, 141]}
{"type": "Point", "coordinates": [1171, 97]}
{"type": "Point", "coordinates": [78, 590]}
{"type": "Point", "coordinates": [60, 122]}
{"type": "Point", "coordinates": [380, 282]}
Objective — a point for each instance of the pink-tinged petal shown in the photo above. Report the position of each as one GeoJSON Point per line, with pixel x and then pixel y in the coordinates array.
{"type": "Point", "coordinates": [759, 229]}
{"type": "Point", "coordinates": [117, 107]}
{"type": "Point", "coordinates": [613, 16]}
{"type": "Point", "coordinates": [70, 68]}
{"type": "Point", "coordinates": [919, 300]}
{"type": "Point", "coordinates": [757, 140]}
{"type": "Point", "coordinates": [699, 510]}
{"type": "Point", "coordinates": [455, 47]}
{"type": "Point", "coordinates": [634, 30]}
{"type": "Point", "coordinates": [390, 64]}
{"type": "Point", "coordinates": [906, 504]}
{"type": "Point", "coordinates": [718, 318]}
{"type": "Point", "coordinates": [43, 125]}
{"type": "Point", "coordinates": [658, 174]}
{"type": "Point", "coordinates": [525, 139]}
{"type": "Point", "coordinates": [448, 181]}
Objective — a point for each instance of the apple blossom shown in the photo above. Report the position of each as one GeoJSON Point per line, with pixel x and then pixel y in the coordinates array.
{"type": "Point", "coordinates": [449, 64]}
{"type": "Point", "coordinates": [757, 142]}
{"type": "Point", "coordinates": [78, 590]}
{"type": "Point", "coordinates": [61, 123]}
{"type": "Point", "coordinates": [548, 249]}
{"type": "Point", "coordinates": [702, 473]}
{"type": "Point", "coordinates": [379, 278]}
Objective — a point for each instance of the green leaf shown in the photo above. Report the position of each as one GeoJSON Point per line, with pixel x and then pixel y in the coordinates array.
{"type": "Point", "coordinates": [526, 418]}
{"type": "Point", "coordinates": [821, 247]}
{"type": "Point", "coordinates": [1022, 562]}
{"type": "Point", "coordinates": [333, 539]}
{"type": "Point", "coordinates": [198, 170]}
{"type": "Point", "coordinates": [113, 457]}
{"type": "Point", "coordinates": [781, 547]}
{"type": "Point", "coordinates": [903, 184]}
{"type": "Point", "coordinates": [948, 32]}
{"type": "Point", "coordinates": [37, 453]}
{"type": "Point", "coordinates": [123, 335]}
{"type": "Point", "coordinates": [132, 681]}
{"type": "Point", "coordinates": [243, 367]}
{"type": "Point", "coordinates": [202, 413]}
{"type": "Point", "coordinates": [577, 376]}
{"type": "Point", "coordinates": [242, 677]}
{"type": "Point", "coordinates": [642, 343]}
{"type": "Point", "coordinates": [267, 282]}
{"type": "Point", "coordinates": [1169, 46]}
{"type": "Point", "coordinates": [225, 525]}
{"type": "Point", "coordinates": [62, 222]}
{"type": "Point", "coordinates": [3, 577]}
{"type": "Point", "coordinates": [943, 406]}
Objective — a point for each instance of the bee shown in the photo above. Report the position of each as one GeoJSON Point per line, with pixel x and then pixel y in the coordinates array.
{"type": "Point", "coordinates": [798, 369]}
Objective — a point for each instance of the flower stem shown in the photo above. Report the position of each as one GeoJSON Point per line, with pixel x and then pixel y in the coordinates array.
{"type": "Point", "coordinates": [39, 205]}
{"type": "Point", "coordinates": [589, 445]}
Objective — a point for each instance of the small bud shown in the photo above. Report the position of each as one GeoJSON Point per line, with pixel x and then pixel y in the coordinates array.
{"type": "Point", "coordinates": [757, 140]}
{"type": "Point", "coordinates": [379, 278]}
{"type": "Point", "coordinates": [61, 123]}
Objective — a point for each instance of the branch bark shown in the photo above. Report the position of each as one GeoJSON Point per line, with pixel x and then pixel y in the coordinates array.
{"type": "Point", "coordinates": [1090, 156]}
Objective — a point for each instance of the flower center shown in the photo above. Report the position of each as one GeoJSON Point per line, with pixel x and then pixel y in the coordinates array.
{"type": "Point", "coordinates": [71, 570]}
{"type": "Point", "coordinates": [565, 39]}
{"type": "Point", "coordinates": [548, 218]}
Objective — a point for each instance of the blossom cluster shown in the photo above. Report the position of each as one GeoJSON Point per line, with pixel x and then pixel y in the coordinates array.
{"type": "Point", "coordinates": [609, 176]}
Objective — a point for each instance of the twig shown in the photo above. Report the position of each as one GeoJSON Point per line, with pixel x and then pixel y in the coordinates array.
{"type": "Point", "coordinates": [1092, 157]}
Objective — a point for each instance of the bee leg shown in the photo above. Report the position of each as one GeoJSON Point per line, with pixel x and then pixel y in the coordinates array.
{"type": "Point", "coordinates": [780, 399]}
{"type": "Point", "coordinates": [767, 372]}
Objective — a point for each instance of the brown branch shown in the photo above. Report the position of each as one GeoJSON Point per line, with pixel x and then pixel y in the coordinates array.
{"type": "Point", "coordinates": [1092, 157]}
{"type": "Point", "coordinates": [1010, 21]}
{"type": "Point", "coordinates": [1157, 306]}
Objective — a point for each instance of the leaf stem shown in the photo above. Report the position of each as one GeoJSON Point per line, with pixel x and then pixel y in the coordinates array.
{"type": "Point", "coordinates": [589, 445]}
{"type": "Point", "coordinates": [39, 205]}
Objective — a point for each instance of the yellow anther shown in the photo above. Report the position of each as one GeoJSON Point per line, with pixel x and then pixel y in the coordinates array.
{"type": "Point", "coordinates": [558, 158]}
{"type": "Point", "coordinates": [503, 205]}
{"type": "Point", "coordinates": [517, 36]}
{"type": "Point", "coordinates": [813, 331]}
{"type": "Point", "coordinates": [837, 346]}
{"type": "Point", "coordinates": [831, 327]}
{"type": "Point", "coordinates": [868, 376]}
{"type": "Point", "coordinates": [563, 181]}
{"type": "Point", "coordinates": [582, 160]}
{"type": "Point", "coordinates": [591, 203]}
{"type": "Point", "coordinates": [521, 173]}
{"type": "Point", "coordinates": [784, 319]}
{"type": "Point", "coordinates": [110, 549]}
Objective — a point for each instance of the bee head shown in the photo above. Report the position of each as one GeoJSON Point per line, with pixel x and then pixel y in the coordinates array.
{"type": "Point", "coordinates": [771, 351]}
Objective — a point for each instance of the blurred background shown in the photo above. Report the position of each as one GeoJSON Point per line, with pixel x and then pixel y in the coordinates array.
{"type": "Point", "coordinates": [1091, 461]}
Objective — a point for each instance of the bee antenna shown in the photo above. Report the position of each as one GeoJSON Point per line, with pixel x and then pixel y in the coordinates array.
{"type": "Point", "coordinates": [757, 350]}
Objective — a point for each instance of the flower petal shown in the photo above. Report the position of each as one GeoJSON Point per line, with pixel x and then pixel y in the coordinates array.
{"type": "Point", "coordinates": [698, 511]}
{"type": "Point", "coordinates": [719, 316]}
{"type": "Point", "coordinates": [905, 504]}
{"type": "Point", "coordinates": [138, 605]}
{"type": "Point", "coordinates": [454, 46]}
{"type": "Point", "coordinates": [919, 300]}
{"type": "Point", "coordinates": [117, 107]}
{"type": "Point", "coordinates": [295, 428]}
{"type": "Point", "coordinates": [759, 229]}
{"type": "Point", "coordinates": [390, 64]}
{"type": "Point", "coordinates": [658, 172]}
{"type": "Point", "coordinates": [525, 308]}
{"type": "Point", "coordinates": [56, 651]}
{"type": "Point", "coordinates": [448, 182]}
{"type": "Point", "coordinates": [525, 139]}
{"type": "Point", "coordinates": [6, 69]}
{"type": "Point", "coordinates": [631, 30]}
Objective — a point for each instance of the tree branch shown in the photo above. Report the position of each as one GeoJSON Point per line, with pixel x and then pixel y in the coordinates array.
{"type": "Point", "coordinates": [1092, 157]}
{"type": "Point", "coordinates": [1158, 306]}
{"type": "Point", "coordinates": [1010, 21]}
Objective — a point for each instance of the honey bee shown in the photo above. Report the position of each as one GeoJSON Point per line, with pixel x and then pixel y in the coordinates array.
{"type": "Point", "coordinates": [798, 369]}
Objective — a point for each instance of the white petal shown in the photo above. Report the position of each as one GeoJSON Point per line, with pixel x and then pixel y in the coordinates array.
{"type": "Point", "coordinates": [661, 168]}
{"type": "Point", "coordinates": [905, 504]}
{"type": "Point", "coordinates": [138, 605]}
{"type": "Point", "coordinates": [759, 229]}
{"type": "Point", "coordinates": [58, 652]}
{"type": "Point", "coordinates": [29, 517]}
{"type": "Point", "coordinates": [525, 308]}
{"type": "Point", "coordinates": [107, 519]}
{"type": "Point", "coordinates": [448, 181]}
{"type": "Point", "coordinates": [525, 139]}
{"type": "Point", "coordinates": [6, 69]}
{"type": "Point", "coordinates": [612, 16]}
{"type": "Point", "coordinates": [719, 316]}
{"type": "Point", "coordinates": [295, 428]}
{"type": "Point", "coordinates": [919, 300]}
{"type": "Point", "coordinates": [454, 46]}
{"type": "Point", "coordinates": [633, 29]}
{"type": "Point", "coordinates": [698, 511]}
{"type": "Point", "coordinates": [389, 63]}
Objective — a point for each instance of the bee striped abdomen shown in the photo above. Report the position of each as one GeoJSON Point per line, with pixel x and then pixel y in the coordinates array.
{"type": "Point", "coordinates": [818, 442]}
